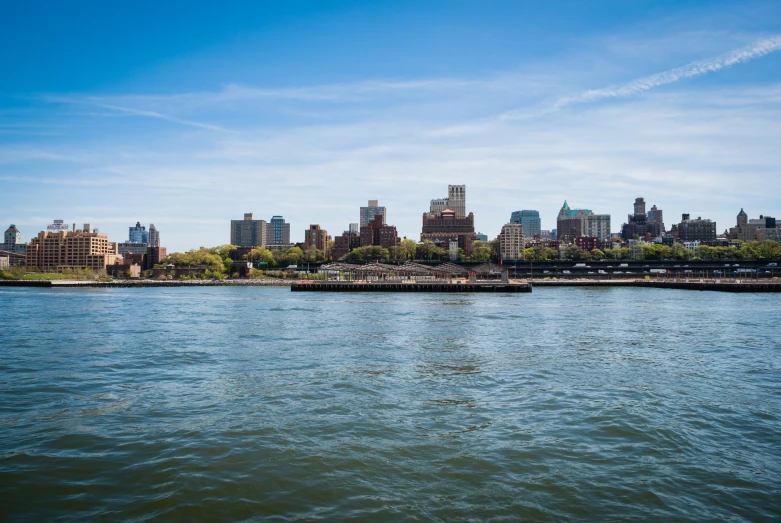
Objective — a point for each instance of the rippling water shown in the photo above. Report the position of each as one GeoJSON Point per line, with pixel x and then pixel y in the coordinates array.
{"type": "Point", "coordinates": [259, 403]}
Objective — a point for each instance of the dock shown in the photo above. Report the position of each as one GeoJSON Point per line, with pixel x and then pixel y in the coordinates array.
{"type": "Point", "coordinates": [363, 286]}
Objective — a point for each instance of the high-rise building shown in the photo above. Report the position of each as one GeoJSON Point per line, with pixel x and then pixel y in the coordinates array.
{"type": "Point", "coordinates": [277, 231]}
{"type": "Point", "coordinates": [655, 215]}
{"type": "Point", "coordinates": [79, 249]}
{"type": "Point", "coordinates": [746, 229]}
{"type": "Point", "coordinates": [511, 241]}
{"type": "Point", "coordinates": [370, 211]}
{"type": "Point", "coordinates": [138, 234]}
{"type": "Point", "coordinates": [446, 227]}
{"type": "Point", "coordinates": [12, 240]}
{"type": "Point", "coordinates": [640, 224]}
{"type": "Point", "coordinates": [248, 232]}
{"type": "Point", "coordinates": [154, 236]}
{"type": "Point", "coordinates": [481, 237]}
{"type": "Point", "coordinates": [378, 233]}
{"type": "Point", "coordinates": [316, 237]}
{"type": "Point", "coordinates": [530, 220]}
{"type": "Point", "coordinates": [455, 201]}
{"type": "Point", "coordinates": [695, 230]}
{"type": "Point", "coordinates": [572, 223]}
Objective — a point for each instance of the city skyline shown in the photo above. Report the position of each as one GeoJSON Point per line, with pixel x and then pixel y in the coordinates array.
{"type": "Point", "coordinates": [189, 129]}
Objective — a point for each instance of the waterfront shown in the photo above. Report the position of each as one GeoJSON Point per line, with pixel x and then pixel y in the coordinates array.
{"type": "Point", "coordinates": [242, 402]}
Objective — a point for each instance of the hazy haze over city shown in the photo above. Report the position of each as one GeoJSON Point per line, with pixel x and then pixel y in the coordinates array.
{"type": "Point", "coordinates": [186, 116]}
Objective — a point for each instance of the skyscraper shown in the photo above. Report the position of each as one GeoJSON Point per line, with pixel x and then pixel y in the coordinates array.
{"type": "Point", "coordinates": [572, 223]}
{"type": "Point", "coordinates": [640, 224]}
{"type": "Point", "coordinates": [455, 201]}
{"type": "Point", "coordinates": [370, 211]}
{"type": "Point", "coordinates": [277, 231]}
{"type": "Point", "coordinates": [154, 236]}
{"type": "Point", "coordinates": [138, 234]}
{"type": "Point", "coordinates": [248, 232]}
{"type": "Point", "coordinates": [530, 220]}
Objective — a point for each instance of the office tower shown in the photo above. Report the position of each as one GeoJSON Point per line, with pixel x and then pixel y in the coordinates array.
{"type": "Point", "coordinates": [154, 236]}
{"type": "Point", "coordinates": [530, 220]}
{"type": "Point", "coordinates": [277, 231]}
{"type": "Point", "coordinates": [455, 201]}
{"type": "Point", "coordinates": [138, 234]}
{"type": "Point", "coordinates": [370, 211]}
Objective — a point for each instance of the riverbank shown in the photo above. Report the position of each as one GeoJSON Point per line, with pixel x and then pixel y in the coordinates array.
{"type": "Point", "coordinates": [144, 283]}
{"type": "Point", "coordinates": [698, 285]}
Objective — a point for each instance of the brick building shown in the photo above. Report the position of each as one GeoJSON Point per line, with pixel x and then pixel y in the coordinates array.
{"type": "Point", "coordinates": [377, 233]}
{"type": "Point", "coordinates": [448, 227]}
{"type": "Point", "coordinates": [316, 237]}
{"type": "Point", "coordinates": [345, 243]}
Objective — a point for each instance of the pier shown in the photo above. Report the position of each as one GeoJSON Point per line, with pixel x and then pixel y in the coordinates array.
{"type": "Point", "coordinates": [409, 287]}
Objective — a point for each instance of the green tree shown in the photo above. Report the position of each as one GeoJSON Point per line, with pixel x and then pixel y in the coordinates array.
{"type": "Point", "coordinates": [481, 252]}
{"type": "Point", "coordinates": [406, 249]}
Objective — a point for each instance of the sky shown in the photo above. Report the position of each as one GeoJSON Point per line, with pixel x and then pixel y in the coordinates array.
{"type": "Point", "coordinates": [189, 114]}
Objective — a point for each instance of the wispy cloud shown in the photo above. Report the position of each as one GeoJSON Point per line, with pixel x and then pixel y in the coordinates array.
{"type": "Point", "coordinates": [97, 102]}
{"type": "Point", "coordinates": [756, 50]}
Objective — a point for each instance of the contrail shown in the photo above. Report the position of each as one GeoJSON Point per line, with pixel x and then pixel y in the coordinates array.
{"type": "Point", "coordinates": [744, 54]}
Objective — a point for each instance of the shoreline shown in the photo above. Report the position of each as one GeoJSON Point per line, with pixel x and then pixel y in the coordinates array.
{"type": "Point", "coordinates": [698, 285]}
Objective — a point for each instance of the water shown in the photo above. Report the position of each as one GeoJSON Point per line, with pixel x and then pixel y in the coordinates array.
{"type": "Point", "coordinates": [259, 403]}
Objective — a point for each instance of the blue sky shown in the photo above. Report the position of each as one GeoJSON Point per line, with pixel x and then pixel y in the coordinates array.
{"type": "Point", "coordinates": [188, 114]}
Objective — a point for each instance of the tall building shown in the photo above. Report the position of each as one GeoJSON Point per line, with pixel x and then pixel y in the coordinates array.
{"type": "Point", "coordinates": [511, 241]}
{"type": "Point", "coordinates": [316, 237]}
{"type": "Point", "coordinates": [747, 229]}
{"type": "Point", "coordinates": [248, 232]}
{"type": "Point", "coordinates": [277, 231]}
{"type": "Point", "coordinates": [655, 215]}
{"type": "Point", "coordinates": [138, 234]}
{"type": "Point", "coordinates": [370, 211]}
{"type": "Point", "coordinates": [12, 240]}
{"type": "Point", "coordinates": [572, 223]}
{"type": "Point", "coordinates": [455, 201]}
{"type": "Point", "coordinates": [79, 249]}
{"type": "Point", "coordinates": [154, 236]}
{"type": "Point", "coordinates": [380, 234]}
{"type": "Point", "coordinates": [446, 227]}
{"type": "Point", "coordinates": [481, 237]}
{"type": "Point", "coordinates": [530, 220]}
{"type": "Point", "coordinates": [695, 230]}
{"type": "Point", "coordinates": [640, 224]}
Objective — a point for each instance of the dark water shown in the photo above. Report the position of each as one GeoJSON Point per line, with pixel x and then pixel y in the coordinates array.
{"type": "Point", "coordinates": [259, 403]}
